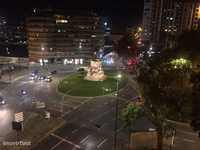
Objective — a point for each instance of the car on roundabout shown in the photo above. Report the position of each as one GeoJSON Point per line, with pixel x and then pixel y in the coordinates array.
{"type": "Point", "coordinates": [48, 79]}
{"type": "Point", "coordinates": [2, 101]}
{"type": "Point", "coordinates": [41, 77]}
{"type": "Point", "coordinates": [23, 92]}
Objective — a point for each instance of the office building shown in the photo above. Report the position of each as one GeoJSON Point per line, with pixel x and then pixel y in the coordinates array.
{"type": "Point", "coordinates": [55, 36]}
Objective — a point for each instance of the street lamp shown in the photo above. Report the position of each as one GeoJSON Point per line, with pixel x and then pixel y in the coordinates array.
{"type": "Point", "coordinates": [42, 60]}
{"type": "Point", "coordinates": [119, 76]}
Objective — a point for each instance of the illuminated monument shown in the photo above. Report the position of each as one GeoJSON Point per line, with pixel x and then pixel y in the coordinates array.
{"type": "Point", "coordinates": [95, 71]}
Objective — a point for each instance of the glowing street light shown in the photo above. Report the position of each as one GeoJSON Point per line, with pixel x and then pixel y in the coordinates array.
{"type": "Point", "coordinates": [42, 59]}
{"type": "Point", "coordinates": [42, 48]}
{"type": "Point", "coordinates": [140, 29]}
{"type": "Point", "coordinates": [119, 76]}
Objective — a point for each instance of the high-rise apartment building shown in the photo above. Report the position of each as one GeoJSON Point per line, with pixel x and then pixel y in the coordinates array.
{"type": "Point", "coordinates": [196, 16]}
{"type": "Point", "coordinates": [12, 39]}
{"type": "Point", "coordinates": [67, 37]}
{"type": "Point", "coordinates": [164, 19]}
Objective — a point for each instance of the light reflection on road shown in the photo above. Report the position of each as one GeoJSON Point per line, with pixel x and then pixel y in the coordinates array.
{"type": "Point", "coordinates": [6, 118]}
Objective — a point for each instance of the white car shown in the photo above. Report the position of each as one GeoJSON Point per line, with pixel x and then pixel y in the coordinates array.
{"type": "Point", "coordinates": [33, 76]}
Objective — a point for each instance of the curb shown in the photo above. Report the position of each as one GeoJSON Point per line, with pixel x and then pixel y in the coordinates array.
{"type": "Point", "coordinates": [91, 97]}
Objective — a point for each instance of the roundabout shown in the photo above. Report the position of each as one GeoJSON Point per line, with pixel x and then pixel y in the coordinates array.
{"type": "Point", "coordinates": [76, 85]}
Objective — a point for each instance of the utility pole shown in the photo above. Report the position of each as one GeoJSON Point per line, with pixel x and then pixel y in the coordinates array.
{"type": "Point", "coordinates": [116, 113]}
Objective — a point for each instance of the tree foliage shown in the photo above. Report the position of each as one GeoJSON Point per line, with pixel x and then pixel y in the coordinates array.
{"type": "Point", "coordinates": [130, 113]}
{"type": "Point", "coordinates": [195, 101]}
{"type": "Point", "coordinates": [127, 45]}
{"type": "Point", "coordinates": [188, 45]}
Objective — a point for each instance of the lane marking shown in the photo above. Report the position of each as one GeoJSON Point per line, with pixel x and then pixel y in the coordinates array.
{"type": "Point", "coordinates": [65, 140]}
{"type": "Point", "coordinates": [84, 139]}
{"type": "Point", "coordinates": [56, 145]}
{"type": "Point", "coordinates": [75, 130]}
{"type": "Point", "coordinates": [189, 140]}
{"type": "Point", "coordinates": [100, 144]}
{"type": "Point", "coordinates": [186, 132]}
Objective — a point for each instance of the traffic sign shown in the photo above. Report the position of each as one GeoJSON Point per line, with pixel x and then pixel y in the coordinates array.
{"type": "Point", "coordinates": [19, 117]}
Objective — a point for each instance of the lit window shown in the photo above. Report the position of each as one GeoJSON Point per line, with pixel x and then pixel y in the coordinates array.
{"type": "Point", "coordinates": [93, 36]}
{"type": "Point", "coordinates": [62, 21]}
{"type": "Point", "coordinates": [81, 61]}
{"type": "Point", "coordinates": [76, 61]}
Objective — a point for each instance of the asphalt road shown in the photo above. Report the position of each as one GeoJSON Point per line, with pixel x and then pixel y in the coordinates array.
{"type": "Point", "coordinates": [89, 122]}
{"type": "Point", "coordinates": [15, 102]}
{"type": "Point", "coordinates": [90, 127]}
{"type": "Point", "coordinates": [93, 118]}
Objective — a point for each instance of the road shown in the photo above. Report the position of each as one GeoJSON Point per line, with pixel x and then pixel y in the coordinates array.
{"type": "Point", "coordinates": [93, 119]}
{"type": "Point", "coordinates": [15, 102]}
{"type": "Point", "coordinates": [185, 138]}
{"type": "Point", "coordinates": [89, 122]}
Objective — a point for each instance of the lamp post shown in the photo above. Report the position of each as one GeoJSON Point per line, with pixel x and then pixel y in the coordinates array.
{"type": "Point", "coordinates": [42, 60]}
{"type": "Point", "coordinates": [119, 76]}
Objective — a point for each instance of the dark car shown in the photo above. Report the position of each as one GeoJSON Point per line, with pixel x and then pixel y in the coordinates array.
{"type": "Point", "coordinates": [2, 101]}
{"type": "Point", "coordinates": [35, 72]}
{"type": "Point", "coordinates": [23, 92]}
{"type": "Point", "coordinates": [53, 72]}
{"type": "Point", "coordinates": [41, 78]}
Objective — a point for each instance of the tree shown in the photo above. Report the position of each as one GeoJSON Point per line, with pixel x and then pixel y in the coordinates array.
{"type": "Point", "coordinates": [127, 48]}
{"type": "Point", "coordinates": [158, 116]}
{"type": "Point", "coordinates": [165, 90]}
{"type": "Point", "coordinates": [129, 115]}
{"type": "Point", "coordinates": [165, 80]}
{"type": "Point", "coordinates": [195, 123]}
{"type": "Point", "coordinates": [189, 46]}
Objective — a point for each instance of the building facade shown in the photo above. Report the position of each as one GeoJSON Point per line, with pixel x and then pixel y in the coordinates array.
{"type": "Point", "coordinates": [66, 37]}
{"type": "Point", "coordinates": [196, 16]}
{"type": "Point", "coordinates": [12, 39]}
{"type": "Point", "coordinates": [164, 19]}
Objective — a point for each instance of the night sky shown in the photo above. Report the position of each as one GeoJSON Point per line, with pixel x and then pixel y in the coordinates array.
{"type": "Point", "coordinates": [121, 13]}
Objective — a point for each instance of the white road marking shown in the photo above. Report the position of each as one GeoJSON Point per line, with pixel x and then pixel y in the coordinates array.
{"type": "Point", "coordinates": [189, 140]}
{"type": "Point", "coordinates": [65, 140]}
{"type": "Point", "coordinates": [100, 144]}
{"type": "Point", "coordinates": [75, 130]}
{"type": "Point", "coordinates": [186, 132]}
{"type": "Point", "coordinates": [83, 140]}
{"type": "Point", "coordinates": [56, 145]}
